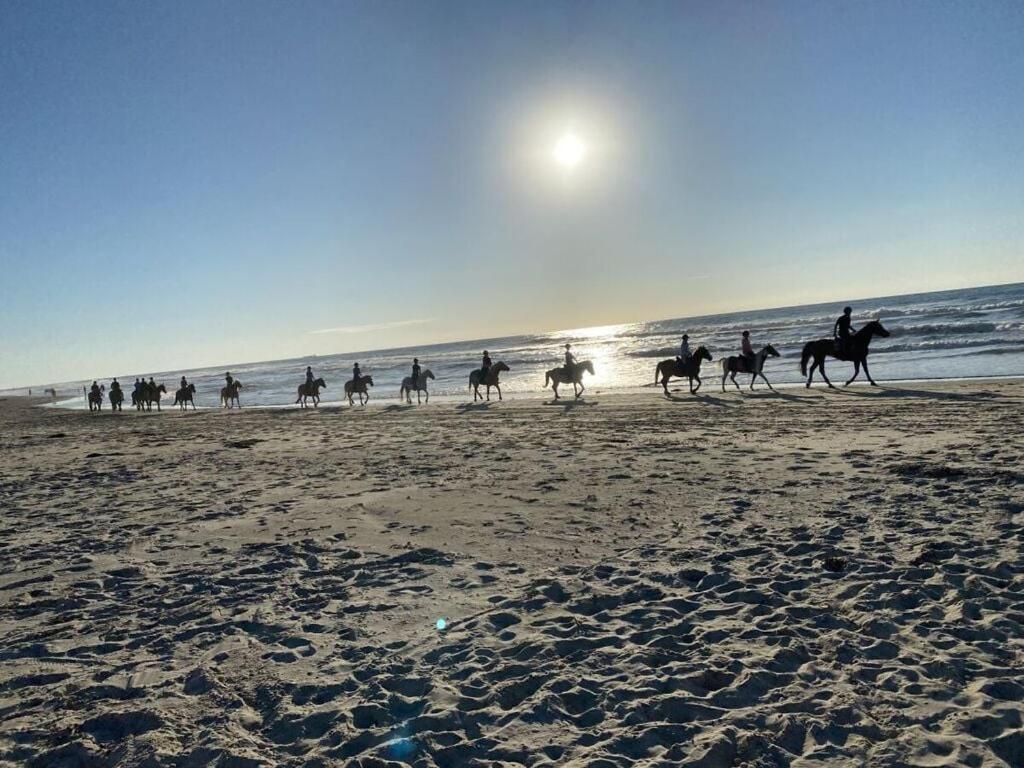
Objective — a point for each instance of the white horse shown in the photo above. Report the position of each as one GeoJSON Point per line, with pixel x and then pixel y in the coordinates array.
{"type": "Point", "coordinates": [408, 385]}
{"type": "Point", "coordinates": [559, 375]}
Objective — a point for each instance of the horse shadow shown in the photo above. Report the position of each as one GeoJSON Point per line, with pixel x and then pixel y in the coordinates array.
{"type": "Point", "coordinates": [777, 395]}
{"type": "Point", "coordinates": [569, 405]}
{"type": "Point", "coordinates": [400, 407]}
{"type": "Point", "coordinates": [467, 407]}
{"type": "Point", "coordinates": [897, 392]}
{"type": "Point", "coordinates": [700, 397]}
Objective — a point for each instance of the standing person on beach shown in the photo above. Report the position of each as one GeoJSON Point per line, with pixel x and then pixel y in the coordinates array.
{"type": "Point", "coordinates": [748, 351]}
{"type": "Point", "coordinates": [842, 331]}
{"type": "Point", "coordinates": [415, 371]}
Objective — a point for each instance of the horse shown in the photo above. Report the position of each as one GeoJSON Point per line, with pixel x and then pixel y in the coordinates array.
{"type": "Point", "coordinates": [149, 394]}
{"type": "Point", "coordinates": [229, 394]}
{"type": "Point", "coordinates": [491, 380]}
{"type": "Point", "coordinates": [183, 397]}
{"type": "Point", "coordinates": [737, 364]}
{"type": "Point", "coordinates": [116, 399]}
{"type": "Point", "coordinates": [360, 389]}
{"type": "Point", "coordinates": [96, 398]}
{"type": "Point", "coordinates": [311, 390]}
{"type": "Point", "coordinates": [666, 369]}
{"type": "Point", "coordinates": [559, 375]}
{"type": "Point", "coordinates": [408, 385]}
{"type": "Point", "coordinates": [856, 352]}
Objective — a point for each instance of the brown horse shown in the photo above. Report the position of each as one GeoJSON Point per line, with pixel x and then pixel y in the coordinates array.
{"type": "Point", "coordinates": [666, 369]}
{"type": "Point", "coordinates": [559, 375]}
{"type": "Point", "coordinates": [736, 364]}
{"type": "Point", "coordinates": [229, 395]}
{"type": "Point", "coordinates": [856, 352]}
{"type": "Point", "coordinates": [149, 394]}
{"type": "Point", "coordinates": [351, 387]}
{"type": "Point", "coordinates": [96, 398]}
{"type": "Point", "coordinates": [184, 395]}
{"type": "Point", "coordinates": [116, 398]}
{"type": "Point", "coordinates": [311, 391]}
{"type": "Point", "coordinates": [490, 381]}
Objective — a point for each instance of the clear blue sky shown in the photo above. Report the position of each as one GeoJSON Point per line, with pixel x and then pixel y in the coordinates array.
{"type": "Point", "coordinates": [185, 184]}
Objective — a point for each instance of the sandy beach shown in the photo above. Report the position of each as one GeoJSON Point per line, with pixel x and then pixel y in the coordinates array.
{"type": "Point", "coordinates": [802, 578]}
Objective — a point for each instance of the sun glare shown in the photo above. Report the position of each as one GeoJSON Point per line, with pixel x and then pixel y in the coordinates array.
{"type": "Point", "coordinates": [569, 151]}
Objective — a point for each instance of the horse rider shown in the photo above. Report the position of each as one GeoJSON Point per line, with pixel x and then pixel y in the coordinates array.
{"type": "Point", "coordinates": [485, 366]}
{"type": "Point", "coordinates": [115, 386]}
{"type": "Point", "coordinates": [228, 378]}
{"type": "Point", "coordinates": [94, 389]}
{"type": "Point", "coordinates": [747, 351]}
{"type": "Point", "coordinates": [138, 385]}
{"type": "Point", "coordinates": [356, 375]}
{"type": "Point", "coordinates": [842, 331]}
{"type": "Point", "coordinates": [184, 384]}
{"type": "Point", "coordinates": [570, 362]}
{"type": "Point", "coordinates": [309, 375]}
{"type": "Point", "coordinates": [415, 371]}
{"type": "Point", "coordinates": [684, 350]}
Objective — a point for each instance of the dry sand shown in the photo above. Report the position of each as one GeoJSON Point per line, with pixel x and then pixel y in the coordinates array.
{"type": "Point", "coordinates": [807, 578]}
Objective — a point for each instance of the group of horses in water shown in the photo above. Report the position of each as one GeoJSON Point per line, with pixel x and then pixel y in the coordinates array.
{"type": "Point", "coordinates": [855, 351]}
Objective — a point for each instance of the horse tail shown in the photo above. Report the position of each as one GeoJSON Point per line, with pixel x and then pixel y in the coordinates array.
{"type": "Point", "coordinates": [805, 356]}
{"type": "Point", "coordinates": [547, 377]}
{"type": "Point", "coordinates": [657, 372]}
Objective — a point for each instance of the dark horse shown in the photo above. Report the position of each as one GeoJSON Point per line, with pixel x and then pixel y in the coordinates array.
{"type": "Point", "coordinates": [856, 352]}
{"type": "Point", "coordinates": [666, 369]}
{"type": "Point", "coordinates": [737, 364]}
{"type": "Point", "coordinates": [184, 395]}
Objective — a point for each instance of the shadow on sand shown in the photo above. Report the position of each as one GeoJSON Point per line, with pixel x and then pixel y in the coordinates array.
{"type": "Point", "coordinates": [887, 392]}
{"type": "Point", "coordinates": [568, 405]}
{"type": "Point", "coordinates": [466, 407]}
{"type": "Point", "coordinates": [700, 397]}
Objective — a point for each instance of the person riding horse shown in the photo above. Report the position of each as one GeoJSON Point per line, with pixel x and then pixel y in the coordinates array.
{"type": "Point", "coordinates": [357, 375]}
{"type": "Point", "coordinates": [309, 375]}
{"type": "Point", "coordinates": [747, 351]}
{"type": "Point", "coordinates": [684, 351]}
{"type": "Point", "coordinates": [570, 362]}
{"type": "Point", "coordinates": [485, 366]}
{"type": "Point", "coordinates": [415, 371]}
{"type": "Point", "coordinates": [229, 379]}
{"type": "Point", "coordinates": [842, 331]}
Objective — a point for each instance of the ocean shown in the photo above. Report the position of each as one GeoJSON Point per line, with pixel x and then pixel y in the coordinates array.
{"type": "Point", "coordinates": [976, 332]}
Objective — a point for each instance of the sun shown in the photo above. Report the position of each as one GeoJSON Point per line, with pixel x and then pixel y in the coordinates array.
{"type": "Point", "coordinates": [569, 151]}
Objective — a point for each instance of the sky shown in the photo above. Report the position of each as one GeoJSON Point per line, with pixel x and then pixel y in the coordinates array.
{"type": "Point", "coordinates": [186, 184]}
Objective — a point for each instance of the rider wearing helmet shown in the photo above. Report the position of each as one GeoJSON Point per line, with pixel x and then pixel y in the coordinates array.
{"type": "Point", "coordinates": [485, 366]}
{"type": "Point", "coordinates": [415, 371]}
{"type": "Point", "coordinates": [748, 351]}
{"type": "Point", "coordinates": [570, 361]}
{"type": "Point", "coordinates": [309, 374]}
{"type": "Point", "coordinates": [842, 331]}
{"type": "Point", "coordinates": [684, 350]}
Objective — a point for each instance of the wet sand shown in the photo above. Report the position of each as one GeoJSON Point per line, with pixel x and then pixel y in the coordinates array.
{"type": "Point", "coordinates": [790, 579]}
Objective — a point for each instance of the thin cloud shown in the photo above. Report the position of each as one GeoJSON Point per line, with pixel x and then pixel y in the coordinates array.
{"type": "Point", "coordinates": [369, 327]}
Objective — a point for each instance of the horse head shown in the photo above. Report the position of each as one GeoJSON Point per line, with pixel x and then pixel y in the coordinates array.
{"type": "Point", "coordinates": [368, 380]}
{"type": "Point", "coordinates": [161, 388]}
{"type": "Point", "coordinates": [427, 374]}
{"type": "Point", "coordinates": [587, 366]}
{"type": "Point", "coordinates": [874, 328]}
{"type": "Point", "coordinates": [319, 384]}
{"type": "Point", "coordinates": [500, 366]}
{"type": "Point", "coordinates": [703, 354]}
{"type": "Point", "coordinates": [771, 351]}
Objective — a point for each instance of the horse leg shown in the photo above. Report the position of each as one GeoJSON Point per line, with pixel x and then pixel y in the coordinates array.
{"type": "Point", "coordinates": [868, 373]}
{"type": "Point", "coordinates": [498, 387]}
{"type": "Point", "coordinates": [697, 388]}
{"type": "Point", "coordinates": [554, 388]}
{"type": "Point", "coordinates": [732, 378]}
{"type": "Point", "coordinates": [856, 372]}
{"type": "Point", "coordinates": [582, 390]}
{"type": "Point", "coordinates": [752, 380]}
{"type": "Point", "coordinates": [767, 382]}
{"type": "Point", "coordinates": [821, 369]}
{"type": "Point", "coordinates": [725, 373]}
